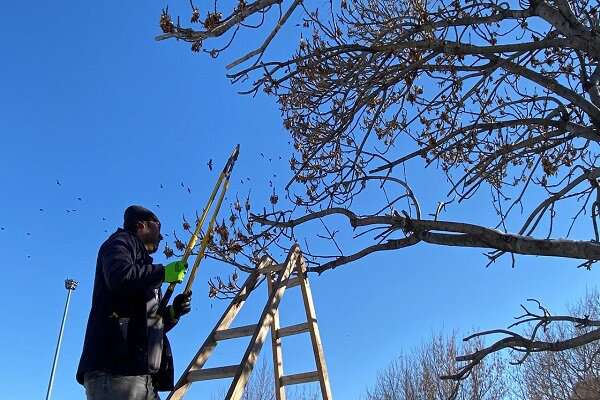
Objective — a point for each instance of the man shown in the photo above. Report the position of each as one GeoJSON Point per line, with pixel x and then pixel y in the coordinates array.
{"type": "Point", "coordinates": [126, 354]}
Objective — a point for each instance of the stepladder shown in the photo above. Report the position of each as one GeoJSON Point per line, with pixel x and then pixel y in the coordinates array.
{"type": "Point", "coordinates": [279, 277]}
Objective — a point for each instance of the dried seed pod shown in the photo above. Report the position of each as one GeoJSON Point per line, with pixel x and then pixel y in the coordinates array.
{"type": "Point", "coordinates": [196, 46]}
{"type": "Point", "coordinates": [241, 237]}
{"type": "Point", "coordinates": [241, 6]}
{"type": "Point", "coordinates": [212, 20]}
{"type": "Point", "coordinates": [274, 198]}
{"type": "Point", "coordinates": [223, 232]}
{"type": "Point", "coordinates": [165, 21]}
{"type": "Point", "coordinates": [232, 219]}
{"type": "Point", "coordinates": [235, 247]}
{"type": "Point", "coordinates": [195, 15]}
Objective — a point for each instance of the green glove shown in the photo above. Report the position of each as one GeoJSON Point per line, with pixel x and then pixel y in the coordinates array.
{"type": "Point", "coordinates": [175, 271]}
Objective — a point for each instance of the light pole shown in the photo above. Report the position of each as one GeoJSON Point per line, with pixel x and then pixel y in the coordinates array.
{"type": "Point", "coordinates": [70, 285]}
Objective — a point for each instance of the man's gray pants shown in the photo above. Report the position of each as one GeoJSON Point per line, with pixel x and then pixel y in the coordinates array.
{"type": "Point", "coordinates": [104, 386]}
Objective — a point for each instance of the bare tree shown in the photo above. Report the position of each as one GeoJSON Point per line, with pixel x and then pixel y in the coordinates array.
{"type": "Point", "coordinates": [588, 389]}
{"type": "Point", "coordinates": [416, 375]}
{"type": "Point", "coordinates": [571, 374]}
{"type": "Point", "coordinates": [260, 386]}
{"type": "Point", "coordinates": [493, 95]}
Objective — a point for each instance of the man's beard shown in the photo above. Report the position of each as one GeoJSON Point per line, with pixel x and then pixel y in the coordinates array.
{"type": "Point", "coordinates": [152, 246]}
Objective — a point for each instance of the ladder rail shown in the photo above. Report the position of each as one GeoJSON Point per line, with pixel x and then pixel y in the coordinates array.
{"type": "Point", "coordinates": [313, 328]}
{"type": "Point", "coordinates": [276, 350]}
{"type": "Point", "coordinates": [236, 389]}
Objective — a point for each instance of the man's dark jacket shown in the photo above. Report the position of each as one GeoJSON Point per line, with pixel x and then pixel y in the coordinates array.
{"type": "Point", "coordinates": [125, 335]}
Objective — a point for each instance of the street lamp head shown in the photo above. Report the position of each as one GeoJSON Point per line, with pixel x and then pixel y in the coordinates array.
{"type": "Point", "coordinates": [71, 284]}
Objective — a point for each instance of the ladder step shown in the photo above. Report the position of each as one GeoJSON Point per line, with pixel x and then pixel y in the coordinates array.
{"type": "Point", "coordinates": [295, 379]}
{"type": "Point", "coordinates": [295, 281]}
{"type": "Point", "coordinates": [212, 373]}
{"type": "Point", "coordinates": [232, 333]}
{"type": "Point", "coordinates": [292, 330]}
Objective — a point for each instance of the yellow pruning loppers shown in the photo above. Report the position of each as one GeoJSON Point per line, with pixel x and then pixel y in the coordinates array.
{"type": "Point", "coordinates": [223, 183]}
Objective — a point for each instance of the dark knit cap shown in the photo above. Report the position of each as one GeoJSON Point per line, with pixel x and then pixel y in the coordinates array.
{"type": "Point", "coordinates": [135, 214]}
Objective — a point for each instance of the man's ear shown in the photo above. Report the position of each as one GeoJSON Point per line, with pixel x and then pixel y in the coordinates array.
{"type": "Point", "coordinates": [139, 226]}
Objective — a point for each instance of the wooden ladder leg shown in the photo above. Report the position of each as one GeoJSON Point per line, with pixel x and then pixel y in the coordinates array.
{"type": "Point", "coordinates": [240, 380]}
{"type": "Point", "coordinates": [276, 347]}
{"type": "Point", "coordinates": [182, 385]}
{"type": "Point", "coordinates": [315, 337]}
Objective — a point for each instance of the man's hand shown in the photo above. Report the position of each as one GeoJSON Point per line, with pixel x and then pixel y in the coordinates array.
{"type": "Point", "coordinates": [182, 304]}
{"type": "Point", "coordinates": [175, 271]}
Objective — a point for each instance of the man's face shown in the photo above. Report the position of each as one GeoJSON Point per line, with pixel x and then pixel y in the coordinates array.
{"type": "Point", "coordinates": [149, 234]}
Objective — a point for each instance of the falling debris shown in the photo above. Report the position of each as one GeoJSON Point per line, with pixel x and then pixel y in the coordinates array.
{"type": "Point", "coordinates": [41, 209]}
{"type": "Point", "coordinates": [189, 190]}
{"type": "Point", "coordinates": [209, 164]}
{"type": "Point", "coordinates": [58, 182]}
{"type": "Point", "coordinates": [79, 198]}
{"type": "Point", "coordinates": [161, 186]}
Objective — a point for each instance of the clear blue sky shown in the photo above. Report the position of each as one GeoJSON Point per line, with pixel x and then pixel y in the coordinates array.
{"type": "Point", "coordinates": [91, 100]}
